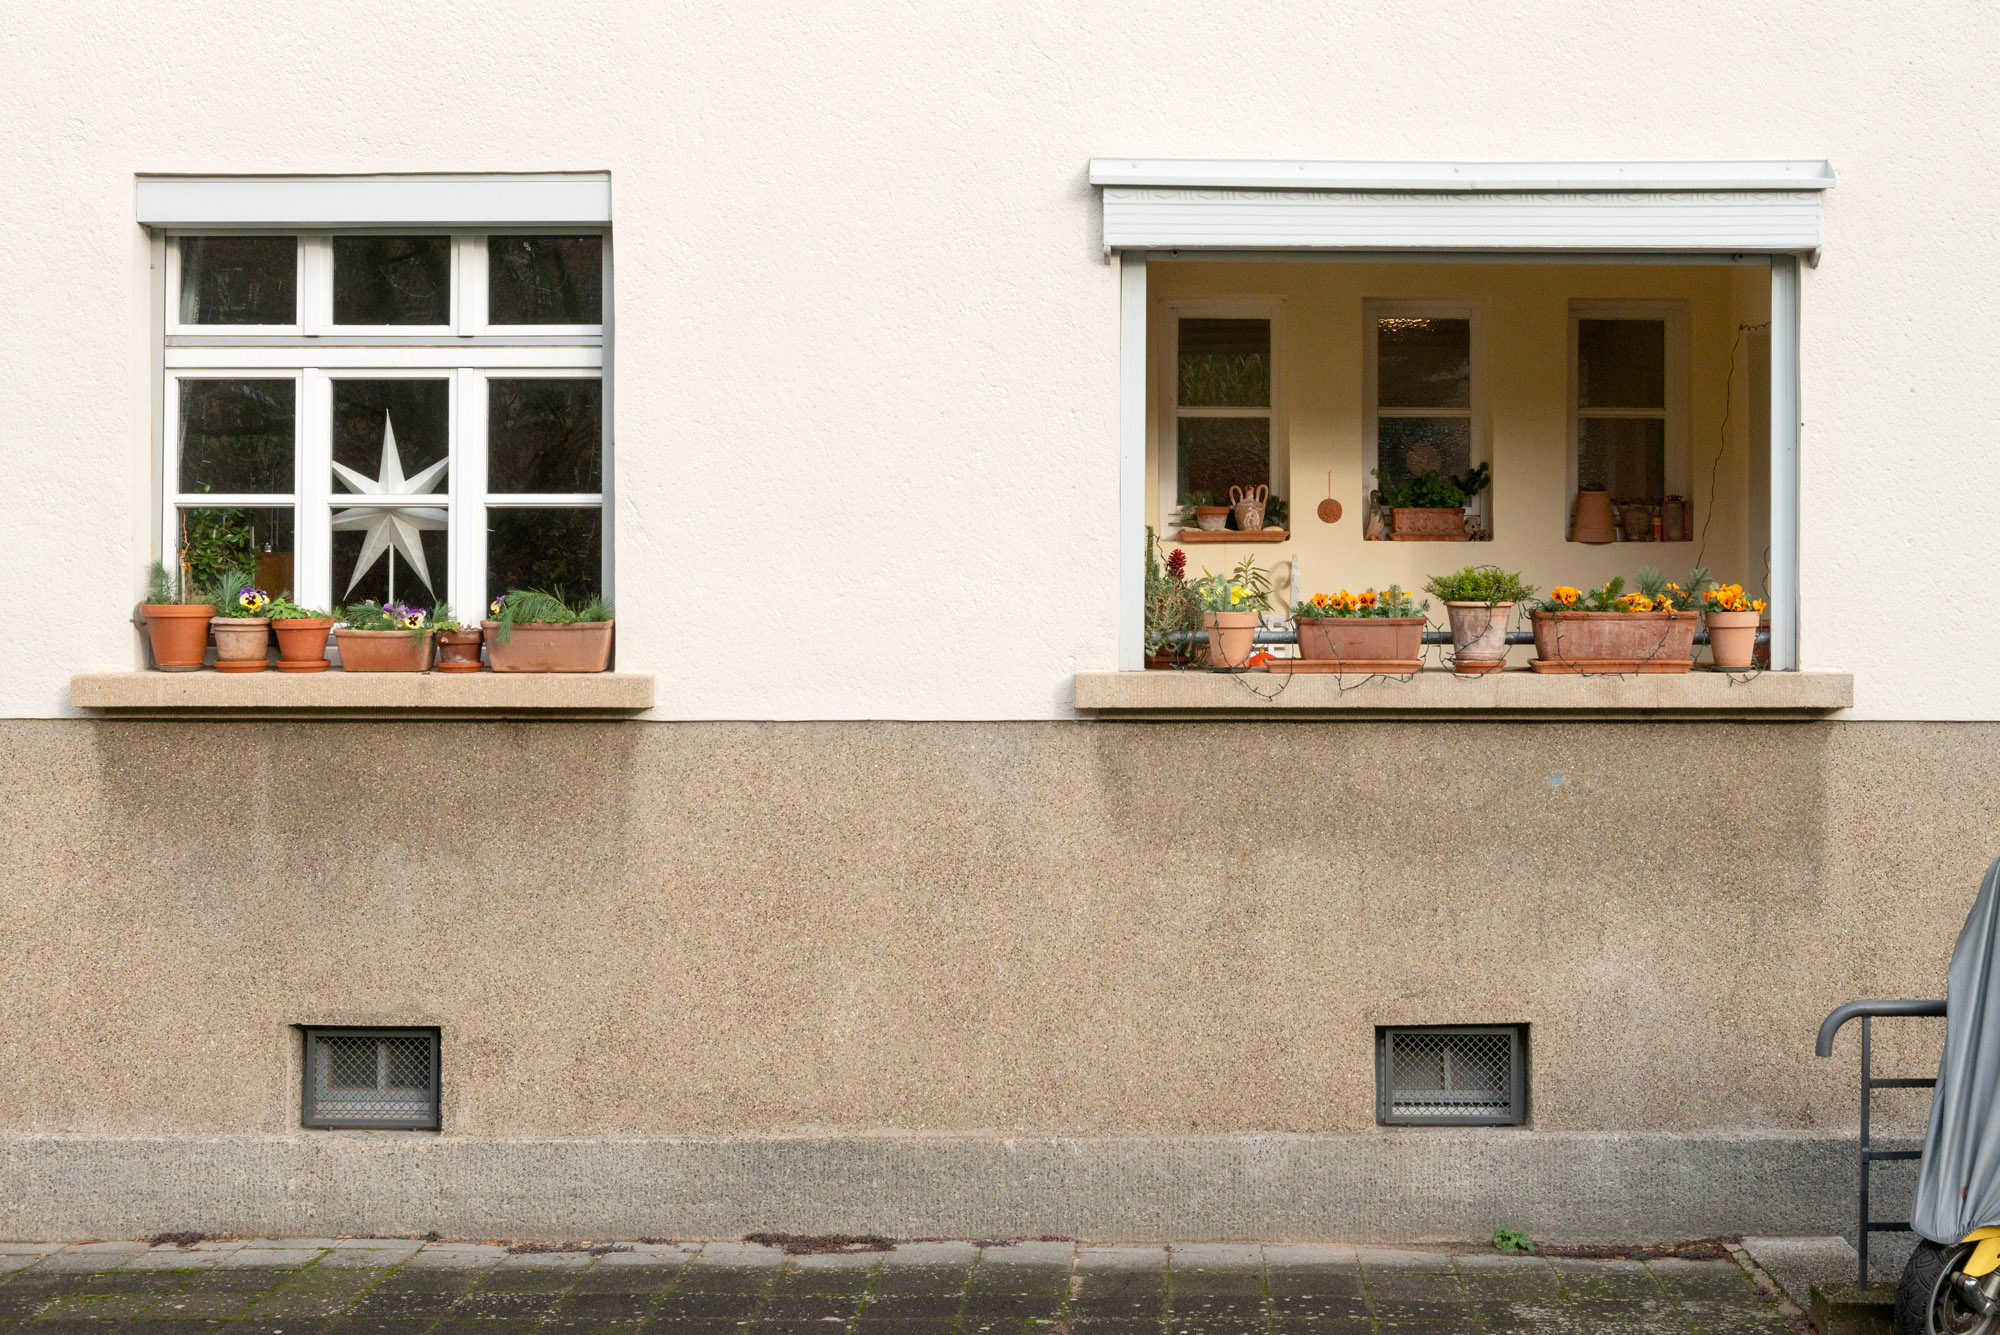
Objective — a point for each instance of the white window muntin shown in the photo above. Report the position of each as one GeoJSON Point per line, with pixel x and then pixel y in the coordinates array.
{"type": "Point", "coordinates": [315, 288]}
{"type": "Point", "coordinates": [314, 496]}
{"type": "Point", "coordinates": [1475, 414]}
{"type": "Point", "coordinates": [1166, 387]}
{"type": "Point", "coordinates": [1674, 410]}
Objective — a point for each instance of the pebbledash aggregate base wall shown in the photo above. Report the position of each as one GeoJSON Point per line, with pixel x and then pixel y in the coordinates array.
{"type": "Point", "coordinates": [1110, 980]}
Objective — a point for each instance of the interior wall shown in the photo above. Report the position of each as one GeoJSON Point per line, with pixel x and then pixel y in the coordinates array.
{"type": "Point", "coordinates": [1525, 310]}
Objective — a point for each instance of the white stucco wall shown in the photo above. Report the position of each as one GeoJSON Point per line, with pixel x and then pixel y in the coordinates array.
{"type": "Point", "coordinates": [866, 351]}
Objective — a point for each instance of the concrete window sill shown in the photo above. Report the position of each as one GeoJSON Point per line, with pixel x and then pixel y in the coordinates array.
{"type": "Point", "coordinates": [352, 694]}
{"type": "Point", "coordinates": [1769, 695]}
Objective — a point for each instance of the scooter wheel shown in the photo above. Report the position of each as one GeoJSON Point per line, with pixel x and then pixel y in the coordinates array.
{"type": "Point", "coordinates": [1927, 1301]}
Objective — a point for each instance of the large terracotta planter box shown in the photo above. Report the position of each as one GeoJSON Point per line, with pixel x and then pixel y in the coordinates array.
{"type": "Point", "coordinates": [1363, 638]}
{"type": "Point", "coordinates": [383, 651]}
{"type": "Point", "coordinates": [1428, 523]}
{"type": "Point", "coordinates": [1663, 638]}
{"type": "Point", "coordinates": [541, 646]}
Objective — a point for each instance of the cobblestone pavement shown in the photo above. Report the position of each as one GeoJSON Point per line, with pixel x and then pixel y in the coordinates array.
{"type": "Point", "coordinates": [382, 1287]}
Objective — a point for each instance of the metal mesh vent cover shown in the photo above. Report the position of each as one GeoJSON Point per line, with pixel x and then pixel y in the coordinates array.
{"type": "Point", "coordinates": [372, 1078]}
{"type": "Point", "coordinates": [1451, 1076]}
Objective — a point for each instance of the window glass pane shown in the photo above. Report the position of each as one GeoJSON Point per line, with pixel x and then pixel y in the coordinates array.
{"type": "Point", "coordinates": [1217, 453]}
{"type": "Point", "coordinates": [257, 541]}
{"type": "Point", "coordinates": [1225, 363]}
{"type": "Point", "coordinates": [544, 280]}
{"type": "Point", "coordinates": [558, 549]}
{"type": "Point", "coordinates": [1409, 447]}
{"type": "Point", "coordinates": [1423, 363]}
{"type": "Point", "coordinates": [1621, 363]}
{"type": "Point", "coordinates": [239, 279]}
{"type": "Point", "coordinates": [545, 435]}
{"type": "Point", "coordinates": [1626, 456]}
{"type": "Point", "coordinates": [390, 438]}
{"type": "Point", "coordinates": [237, 436]}
{"type": "Point", "coordinates": [392, 280]}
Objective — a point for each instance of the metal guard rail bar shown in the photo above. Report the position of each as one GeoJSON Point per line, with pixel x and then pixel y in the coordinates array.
{"type": "Point", "coordinates": [1430, 637]}
{"type": "Point", "coordinates": [1867, 1012]}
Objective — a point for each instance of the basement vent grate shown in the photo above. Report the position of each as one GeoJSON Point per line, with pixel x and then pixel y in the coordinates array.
{"type": "Point", "coordinates": [380, 1078]}
{"type": "Point", "coordinates": [1451, 1076]}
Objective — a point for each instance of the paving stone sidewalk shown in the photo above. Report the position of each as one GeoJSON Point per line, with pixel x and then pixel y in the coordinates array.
{"type": "Point", "coordinates": [316, 1286]}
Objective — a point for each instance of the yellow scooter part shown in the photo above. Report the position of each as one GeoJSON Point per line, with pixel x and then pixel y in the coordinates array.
{"type": "Point", "coordinates": [1986, 1256]}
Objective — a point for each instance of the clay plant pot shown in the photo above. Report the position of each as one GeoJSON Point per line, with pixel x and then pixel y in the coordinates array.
{"type": "Point", "coordinates": [1590, 637]}
{"type": "Point", "coordinates": [242, 644]}
{"type": "Point", "coordinates": [302, 643]}
{"type": "Point", "coordinates": [383, 650]}
{"type": "Point", "coordinates": [1595, 520]}
{"type": "Point", "coordinates": [1732, 637]}
{"type": "Point", "coordinates": [1479, 631]}
{"type": "Point", "coordinates": [1355, 638]}
{"type": "Point", "coordinates": [458, 650]}
{"type": "Point", "coordinates": [1248, 505]}
{"type": "Point", "coordinates": [1211, 518]}
{"type": "Point", "coordinates": [542, 646]}
{"type": "Point", "coordinates": [1429, 522]}
{"type": "Point", "coordinates": [178, 633]}
{"type": "Point", "coordinates": [1232, 638]}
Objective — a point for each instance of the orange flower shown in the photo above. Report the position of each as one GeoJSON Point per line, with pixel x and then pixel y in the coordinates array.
{"type": "Point", "coordinates": [1565, 595]}
{"type": "Point", "coordinates": [1367, 599]}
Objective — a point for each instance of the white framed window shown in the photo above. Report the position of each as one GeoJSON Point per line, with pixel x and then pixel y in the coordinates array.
{"type": "Point", "coordinates": [1628, 407]}
{"type": "Point", "coordinates": [1219, 386]}
{"type": "Point", "coordinates": [409, 414]}
{"type": "Point", "coordinates": [1424, 398]}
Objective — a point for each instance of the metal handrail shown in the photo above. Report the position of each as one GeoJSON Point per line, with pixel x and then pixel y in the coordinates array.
{"type": "Point", "coordinates": [1430, 637]}
{"type": "Point", "coordinates": [1867, 1012]}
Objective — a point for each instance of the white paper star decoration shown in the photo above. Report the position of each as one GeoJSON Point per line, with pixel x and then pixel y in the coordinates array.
{"type": "Point", "coordinates": [391, 527]}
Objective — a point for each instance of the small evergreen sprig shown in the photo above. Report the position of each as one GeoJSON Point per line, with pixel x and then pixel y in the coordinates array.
{"type": "Point", "coordinates": [527, 607]}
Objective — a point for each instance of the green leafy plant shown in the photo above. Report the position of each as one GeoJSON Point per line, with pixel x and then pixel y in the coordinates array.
{"type": "Point", "coordinates": [214, 543]}
{"type": "Point", "coordinates": [1480, 584]}
{"type": "Point", "coordinates": [1511, 1240]}
{"type": "Point", "coordinates": [1171, 606]}
{"type": "Point", "coordinates": [1247, 588]}
{"type": "Point", "coordinates": [1432, 490]}
{"type": "Point", "coordinates": [1277, 514]}
{"type": "Point", "coordinates": [387, 616]}
{"type": "Point", "coordinates": [1670, 596]}
{"type": "Point", "coordinates": [164, 586]}
{"type": "Point", "coordinates": [236, 596]}
{"type": "Point", "coordinates": [1394, 601]}
{"type": "Point", "coordinates": [284, 609]}
{"type": "Point", "coordinates": [524, 607]}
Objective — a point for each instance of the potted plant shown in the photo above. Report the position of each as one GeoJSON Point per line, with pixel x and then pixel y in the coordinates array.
{"type": "Point", "coordinates": [301, 633]}
{"type": "Point", "coordinates": [1368, 627]}
{"type": "Point", "coordinates": [1731, 621]}
{"type": "Point", "coordinates": [1431, 507]}
{"type": "Point", "coordinates": [1171, 608]}
{"type": "Point", "coordinates": [383, 637]}
{"type": "Point", "coordinates": [243, 637]}
{"type": "Point", "coordinates": [1650, 629]}
{"type": "Point", "coordinates": [1480, 602]}
{"type": "Point", "coordinates": [177, 614]}
{"type": "Point", "coordinates": [1229, 612]}
{"type": "Point", "coordinates": [533, 630]}
{"type": "Point", "coordinates": [1209, 516]}
{"type": "Point", "coordinates": [457, 645]}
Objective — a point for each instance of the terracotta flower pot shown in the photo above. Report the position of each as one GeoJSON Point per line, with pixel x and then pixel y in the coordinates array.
{"type": "Point", "coordinates": [1479, 631]}
{"type": "Point", "coordinates": [1232, 638]}
{"type": "Point", "coordinates": [1211, 518]}
{"type": "Point", "coordinates": [542, 646]}
{"type": "Point", "coordinates": [1353, 638]}
{"type": "Point", "coordinates": [1587, 637]}
{"type": "Point", "coordinates": [1594, 520]}
{"type": "Point", "coordinates": [1732, 637]}
{"type": "Point", "coordinates": [383, 650]}
{"type": "Point", "coordinates": [302, 643]}
{"type": "Point", "coordinates": [1429, 522]}
{"type": "Point", "coordinates": [178, 633]}
{"type": "Point", "coordinates": [242, 644]}
{"type": "Point", "coordinates": [458, 650]}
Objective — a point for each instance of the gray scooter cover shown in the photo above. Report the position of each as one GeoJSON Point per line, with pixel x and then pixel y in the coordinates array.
{"type": "Point", "coordinates": [1958, 1186]}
